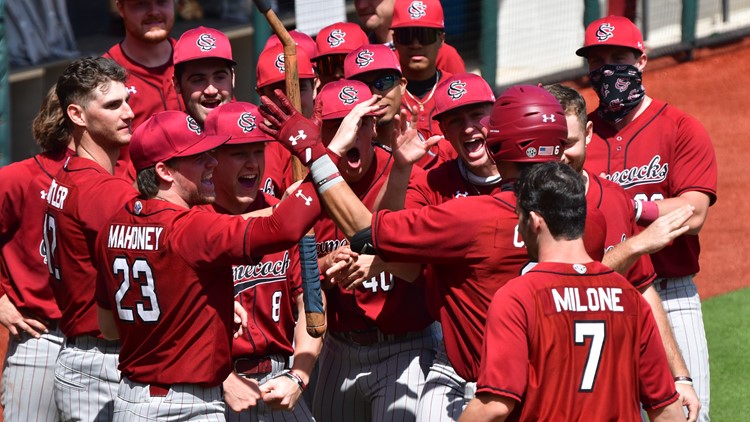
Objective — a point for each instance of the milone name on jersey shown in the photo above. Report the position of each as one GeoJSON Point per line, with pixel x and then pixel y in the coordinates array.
{"type": "Point", "coordinates": [136, 238]}
{"type": "Point", "coordinates": [651, 173]}
{"type": "Point", "coordinates": [593, 299]}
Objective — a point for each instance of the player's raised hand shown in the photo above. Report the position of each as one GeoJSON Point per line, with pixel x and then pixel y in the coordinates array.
{"type": "Point", "coordinates": [664, 230]}
{"type": "Point", "coordinates": [281, 393]}
{"type": "Point", "coordinates": [409, 144]}
{"type": "Point", "coordinates": [16, 323]}
{"type": "Point", "coordinates": [347, 133]}
{"type": "Point", "coordinates": [241, 393]}
{"type": "Point", "coordinates": [297, 133]}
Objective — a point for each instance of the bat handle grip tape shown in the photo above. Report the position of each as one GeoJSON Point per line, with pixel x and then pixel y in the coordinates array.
{"type": "Point", "coordinates": [262, 6]}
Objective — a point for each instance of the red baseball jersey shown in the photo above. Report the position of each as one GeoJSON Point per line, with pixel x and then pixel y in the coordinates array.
{"type": "Point", "coordinates": [474, 248]}
{"type": "Point", "coordinates": [449, 60]}
{"type": "Point", "coordinates": [661, 154]}
{"type": "Point", "coordinates": [617, 208]}
{"type": "Point", "coordinates": [441, 184]}
{"type": "Point", "coordinates": [267, 288]}
{"type": "Point", "coordinates": [182, 312]}
{"type": "Point", "coordinates": [391, 304]}
{"type": "Point", "coordinates": [151, 91]}
{"type": "Point", "coordinates": [80, 200]}
{"type": "Point", "coordinates": [23, 194]}
{"type": "Point", "coordinates": [277, 175]}
{"type": "Point", "coordinates": [574, 342]}
{"type": "Point", "coordinates": [425, 108]}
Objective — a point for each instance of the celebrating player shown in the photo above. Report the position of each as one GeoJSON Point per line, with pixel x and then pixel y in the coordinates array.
{"type": "Point", "coordinates": [176, 327]}
{"type": "Point", "coordinates": [380, 338]}
{"type": "Point", "coordinates": [472, 242]}
{"type": "Point", "coordinates": [334, 43]}
{"type": "Point", "coordinates": [80, 199]}
{"type": "Point", "coordinates": [378, 67]}
{"type": "Point", "coordinates": [269, 288]}
{"type": "Point", "coordinates": [27, 306]}
{"type": "Point", "coordinates": [664, 159]}
{"type": "Point", "coordinates": [571, 339]}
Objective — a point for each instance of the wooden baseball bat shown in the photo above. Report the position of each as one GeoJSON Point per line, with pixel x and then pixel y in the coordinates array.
{"type": "Point", "coordinates": [314, 309]}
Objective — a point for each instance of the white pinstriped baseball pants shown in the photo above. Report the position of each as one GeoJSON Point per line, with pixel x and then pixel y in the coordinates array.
{"type": "Point", "coordinates": [86, 379]}
{"type": "Point", "coordinates": [443, 396]}
{"type": "Point", "coordinates": [29, 377]}
{"type": "Point", "coordinates": [183, 402]}
{"type": "Point", "coordinates": [683, 307]}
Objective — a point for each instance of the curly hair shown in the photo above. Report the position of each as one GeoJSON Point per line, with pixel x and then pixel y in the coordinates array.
{"type": "Point", "coordinates": [49, 127]}
{"type": "Point", "coordinates": [82, 77]}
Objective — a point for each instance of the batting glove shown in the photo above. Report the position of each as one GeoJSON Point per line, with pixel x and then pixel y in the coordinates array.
{"type": "Point", "coordinates": [297, 133]}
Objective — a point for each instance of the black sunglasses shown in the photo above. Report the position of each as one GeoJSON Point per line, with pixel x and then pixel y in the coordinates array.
{"type": "Point", "coordinates": [384, 83]}
{"type": "Point", "coordinates": [327, 65]}
{"type": "Point", "coordinates": [425, 36]}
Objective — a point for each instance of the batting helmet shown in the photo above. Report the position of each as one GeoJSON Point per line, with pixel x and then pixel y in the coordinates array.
{"type": "Point", "coordinates": [526, 124]}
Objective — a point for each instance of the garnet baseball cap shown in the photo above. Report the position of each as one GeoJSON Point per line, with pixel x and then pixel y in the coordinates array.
{"type": "Point", "coordinates": [238, 120]}
{"type": "Point", "coordinates": [271, 67]}
{"type": "Point", "coordinates": [301, 39]}
{"type": "Point", "coordinates": [425, 13]}
{"type": "Point", "coordinates": [339, 98]}
{"type": "Point", "coordinates": [339, 38]}
{"type": "Point", "coordinates": [202, 43]}
{"type": "Point", "coordinates": [612, 30]}
{"type": "Point", "coordinates": [169, 134]}
{"type": "Point", "coordinates": [460, 90]}
{"type": "Point", "coordinates": [368, 58]}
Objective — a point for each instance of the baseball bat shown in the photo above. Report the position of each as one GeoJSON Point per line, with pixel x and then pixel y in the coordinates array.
{"type": "Point", "coordinates": [314, 311]}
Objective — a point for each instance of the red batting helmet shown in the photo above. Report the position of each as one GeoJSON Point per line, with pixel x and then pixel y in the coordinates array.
{"type": "Point", "coordinates": [527, 124]}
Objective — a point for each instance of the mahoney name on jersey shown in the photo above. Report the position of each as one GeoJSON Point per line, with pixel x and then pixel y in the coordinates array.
{"type": "Point", "coordinates": [590, 299]}
{"type": "Point", "coordinates": [136, 238]}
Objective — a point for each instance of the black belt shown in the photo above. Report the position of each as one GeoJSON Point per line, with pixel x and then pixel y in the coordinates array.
{"type": "Point", "coordinates": [251, 366]}
{"type": "Point", "coordinates": [374, 336]}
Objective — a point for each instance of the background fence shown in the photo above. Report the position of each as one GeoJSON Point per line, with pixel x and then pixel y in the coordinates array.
{"type": "Point", "coordinates": [507, 41]}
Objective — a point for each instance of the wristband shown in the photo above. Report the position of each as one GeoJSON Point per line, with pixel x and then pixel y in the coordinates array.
{"type": "Point", "coordinates": [296, 378]}
{"type": "Point", "coordinates": [638, 209]}
{"type": "Point", "coordinates": [683, 380]}
{"type": "Point", "coordinates": [325, 174]}
{"type": "Point", "coordinates": [649, 212]}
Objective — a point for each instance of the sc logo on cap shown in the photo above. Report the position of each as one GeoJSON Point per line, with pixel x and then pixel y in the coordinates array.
{"type": "Point", "coordinates": [364, 58]}
{"type": "Point", "coordinates": [336, 38]}
{"type": "Point", "coordinates": [279, 63]}
{"type": "Point", "coordinates": [246, 122]}
{"type": "Point", "coordinates": [417, 10]}
{"type": "Point", "coordinates": [206, 42]}
{"type": "Point", "coordinates": [605, 32]}
{"type": "Point", "coordinates": [348, 95]}
{"type": "Point", "coordinates": [456, 90]}
{"type": "Point", "coordinates": [193, 126]}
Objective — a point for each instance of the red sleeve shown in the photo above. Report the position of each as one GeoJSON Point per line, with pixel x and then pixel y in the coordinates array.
{"type": "Point", "coordinates": [430, 234]}
{"type": "Point", "coordinates": [12, 191]}
{"type": "Point", "coordinates": [694, 165]}
{"type": "Point", "coordinates": [656, 383]}
{"type": "Point", "coordinates": [419, 193]}
{"type": "Point", "coordinates": [505, 355]}
{"type": "Point", "coordinates": [101, 294]}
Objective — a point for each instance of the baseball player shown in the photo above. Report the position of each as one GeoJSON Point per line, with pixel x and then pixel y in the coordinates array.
{"type": "Point", "coordinates": [301, 40]}
{"type": "Point", "coordinates": [378, 67]}
{"type": "Point", "coordinates": [165, 288]}
{"type": "Point", "coordinates": [664, 159]}
{"type": "Point", "coordinates": [472, 243]}
{"type": "Point", "coordinates": [418, 34]}
{"type": "Point", "coordinates": [27, 306]}
{"type": "Point", "coordinates": [570, 334]}
{"type": "Point", "coordinates": [270, 75]}
{"type": "Point", "coordinates": [617, 208]}
{"type": "Point", "coordinates": [80, 198]}
{"type": "Point", "coordinates": [146, 53]}
{"type": "Point", "coordinates": [376, 16]}
{"type": "Point", "coordinates": [380, 337]}
{"type": "Point", "coordinates": [269, 288]}
{"type": "Point", "coordinates": [334, 43]}
{"type": "Point", "coordinates": [203, 71]}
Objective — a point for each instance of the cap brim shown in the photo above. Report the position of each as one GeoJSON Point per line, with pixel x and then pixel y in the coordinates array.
{"type": "Point", "coordinates": [583, 51]}
{"type": "Point", "coordinates": [239, 140]}
{"type": "Point", "coordinates": [207, 143]}
{"type": "Point", "coordinates": [468, 103]}
{"type": "Point", "coordinates": [341, 114]}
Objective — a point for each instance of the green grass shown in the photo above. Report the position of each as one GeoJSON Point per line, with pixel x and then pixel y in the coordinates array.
{"type": "Point", "coordinates": [727, 322]}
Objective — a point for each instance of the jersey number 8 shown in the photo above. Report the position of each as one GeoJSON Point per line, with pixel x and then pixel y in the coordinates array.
{"type": "Point", "coordinates": [142, 274]}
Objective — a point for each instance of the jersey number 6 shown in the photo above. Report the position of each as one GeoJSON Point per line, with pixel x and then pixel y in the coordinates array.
{"type": "Point", "coordinates": [141, 273]}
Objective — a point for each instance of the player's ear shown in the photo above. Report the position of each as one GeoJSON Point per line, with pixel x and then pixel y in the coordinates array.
{"type": "Point", "coordinates": [76, 114]}
{"type": "Point", "coordinates": [589, 131]}
{"type": "Point", "coordinates": [537, 221]}
{"type": "Point", "coordinates": [640, 63]}
{"type": "Point", "coordinates": [164, 172]}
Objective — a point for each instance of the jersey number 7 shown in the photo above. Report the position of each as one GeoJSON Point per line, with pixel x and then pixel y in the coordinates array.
{"type": "Point", "coordinates": [597, 331]}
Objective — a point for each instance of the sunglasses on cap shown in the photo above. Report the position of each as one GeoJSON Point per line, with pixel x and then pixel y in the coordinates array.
{"type": "Point", "coordinates": [327, 65]}
{"type": "Point", "coordinates": [383, 83]}
{"type": "Point", "coordinates": [425, 36]}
